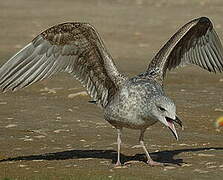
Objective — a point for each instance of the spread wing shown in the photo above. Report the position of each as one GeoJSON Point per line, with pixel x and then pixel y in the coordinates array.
{"type": "Point", "coordinates": [195, 43]}
{"type": "Point", "coordinates": [75, 48]}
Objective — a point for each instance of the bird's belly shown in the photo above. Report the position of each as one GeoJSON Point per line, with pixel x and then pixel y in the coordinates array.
{"type": "Point", "coordinates": [130, 125]}
{"type": "Point", "coordinates": [128, 111]}
{"type": "Point", "coordinates": [128, 121]}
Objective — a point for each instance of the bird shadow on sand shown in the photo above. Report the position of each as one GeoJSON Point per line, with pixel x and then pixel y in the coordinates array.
{"type": "Point", "coordinates": [161, 156]}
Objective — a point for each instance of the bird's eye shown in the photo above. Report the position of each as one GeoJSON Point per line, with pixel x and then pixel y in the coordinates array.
{"type": "Point", "coordinates": [161, 109]}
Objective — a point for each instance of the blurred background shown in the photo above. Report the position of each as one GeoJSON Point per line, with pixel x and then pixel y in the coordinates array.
{"type": "Point", "coordinates": [43, 119]}
{"type": "Point", "coordinates": [132, 29]}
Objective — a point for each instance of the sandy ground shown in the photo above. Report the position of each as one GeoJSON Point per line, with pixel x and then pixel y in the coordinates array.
{"type": "Point", "coordinates": [46, 135]}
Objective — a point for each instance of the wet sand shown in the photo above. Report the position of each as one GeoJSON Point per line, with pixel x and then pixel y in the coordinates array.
{"type": "Point", "coordinates": [44, 134]}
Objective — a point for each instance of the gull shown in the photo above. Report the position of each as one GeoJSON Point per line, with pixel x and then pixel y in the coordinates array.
{"type": "Point", "coordinates": [127, 102]}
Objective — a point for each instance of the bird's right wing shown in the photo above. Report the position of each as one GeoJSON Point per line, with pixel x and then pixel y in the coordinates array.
{"type": "Point", "coordinates": [75, 48]}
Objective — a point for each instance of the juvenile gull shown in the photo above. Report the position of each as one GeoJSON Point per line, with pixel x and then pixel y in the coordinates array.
{"type": "Point", "coordinates": [136, 102]}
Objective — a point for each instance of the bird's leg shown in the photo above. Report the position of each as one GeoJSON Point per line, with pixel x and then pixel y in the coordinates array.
{"type": "Point", "coordinates": [149, 159]}
{"type": "Point", "coordinates": [118, 163]}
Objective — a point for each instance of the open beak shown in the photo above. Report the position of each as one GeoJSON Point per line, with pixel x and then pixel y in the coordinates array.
{"type": "Point", "coordinates": [172, 127]}
{"type": "Point", "coordinates": [178, 121]}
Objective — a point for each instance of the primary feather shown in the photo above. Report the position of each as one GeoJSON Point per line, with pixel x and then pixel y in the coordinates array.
{"type": "Point", "coordinates": [195, 43]}
{"type": "Point", "coordinates": [75, 48]}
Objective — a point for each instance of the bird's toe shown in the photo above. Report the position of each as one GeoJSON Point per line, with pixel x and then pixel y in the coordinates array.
{"type": "Point", "coordinates": [118, 164]}
{"type": "Point", "coordinates": [154, 163]}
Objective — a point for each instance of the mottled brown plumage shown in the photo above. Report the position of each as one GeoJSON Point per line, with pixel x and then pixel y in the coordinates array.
{"type": "Point", "coordinates": [71, 47]}
{"type": "Point", "coordinates": [195, 43]}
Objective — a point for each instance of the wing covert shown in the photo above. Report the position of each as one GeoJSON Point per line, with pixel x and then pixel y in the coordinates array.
{"type": "Point", "coordinates": [195, 43]}
{"type": "Point", "coordinates": [75, 48]}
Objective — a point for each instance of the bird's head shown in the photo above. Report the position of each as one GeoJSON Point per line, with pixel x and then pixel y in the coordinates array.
{"type": "Point", "coordinates": [164, 110]}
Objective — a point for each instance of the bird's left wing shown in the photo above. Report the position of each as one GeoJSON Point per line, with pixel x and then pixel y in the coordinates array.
{"type": "Point", "coordinates": [195, 43]}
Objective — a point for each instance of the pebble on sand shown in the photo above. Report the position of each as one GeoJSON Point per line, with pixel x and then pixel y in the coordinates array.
{"type": "Point", "coordinates": [186, 165]}
{"type": "Point", "coordinates": [211, 167]}
{"type": "Point", "coordinates": [61, 130]}
{"type": "Point", "coordinates": [48, 90]}
{"type": "Point", "coordinates": [3, 103]}
{"type": "Point", "coordinates": [82, 93]}
{"type": "Point", "coordinates": [11, 125]}
{"type": "Point", "coordinates": [22, 165]}
{"type": "Point", "coordinates": [40, 137]}
{"type": "Point", "coordinates": [200, 171]}
{"type": "Point", "coordinates": [205, 155]}
{"type": "Point", "coordinates": [169, 167]}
